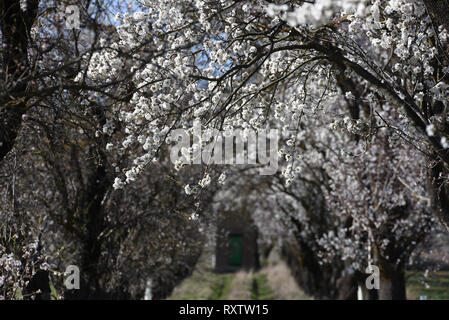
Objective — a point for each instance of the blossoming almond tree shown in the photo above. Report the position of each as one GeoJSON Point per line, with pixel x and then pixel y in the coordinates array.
{"type": "Point", "coordinates": [223, 64]}
{"type": "Point", "coordinates": [57, 204]}
{"type": "Point", "coordinates": [298, 66]}
{"type": "Point", "coordinates": [356, 197]}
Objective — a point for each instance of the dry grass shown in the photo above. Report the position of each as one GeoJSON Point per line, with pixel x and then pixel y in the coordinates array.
{"type": "Point", "coordinates": [241, 286]}
{"type": "Point", "coordinates": [281, 282]}
{"type": "Point", "coordinates": [196, 287]}
{"type": "Point", "coordinates": [274, 281]}
{"type": "Point", "coordinates": [200, 285]}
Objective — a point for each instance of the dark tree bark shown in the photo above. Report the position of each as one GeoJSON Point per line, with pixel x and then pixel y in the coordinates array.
{"type": "Point", "coordinates": [392, 274]}
{"type": "Point", "coordinates": [95, 225]}
{"type": "Point", "coordinates": [15, 26]}
{"type": "Point", "coordinates": [437, 187]}
{"type": "Point", "coordinates": [93, 218]}
{"type": "Point", "coordinates": [393, 287]}
{"type": "Point", "coordinates": [392, 282]}
{"type": "Point", "coordinates": [40, 281]}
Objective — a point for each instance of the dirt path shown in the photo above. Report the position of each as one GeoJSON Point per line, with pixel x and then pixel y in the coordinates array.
{"type": "Point", "coordinates": [272, 282]}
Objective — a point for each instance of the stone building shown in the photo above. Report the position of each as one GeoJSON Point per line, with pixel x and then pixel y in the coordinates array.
{"type": "Point", "coordinates": [236, 243]}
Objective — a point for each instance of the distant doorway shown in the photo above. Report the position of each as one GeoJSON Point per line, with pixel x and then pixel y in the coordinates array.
{"type": "Point", "coordinates": [236, 243]}
{"type": "Point", "coordinates": [236, 250]}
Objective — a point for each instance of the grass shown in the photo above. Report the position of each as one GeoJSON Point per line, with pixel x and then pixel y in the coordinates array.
{"type": "Point", "coordinates": [281, 282]}
{"type": "Point", "coordinates": [435, 286]}
{"type": "Point", "coordinates": [53, 293]}
{"type": "Point", "coordinates": [276, 282]}
{"type": "Point", "coordinates": [260, 289]}
{"type": "Point", "coordinates": [241, 286]}
{"type": "Point", "coordinates": [221, 287]}
{"type": "Point", "coordinates": [270, 283]}
{"type": "Point", "coordinates": [204, 285]}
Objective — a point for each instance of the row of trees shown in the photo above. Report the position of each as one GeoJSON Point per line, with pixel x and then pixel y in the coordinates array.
{"type": "Point", "coordinates": [58, 206]}
{"type": "Point", "coordinates": [357, 88]}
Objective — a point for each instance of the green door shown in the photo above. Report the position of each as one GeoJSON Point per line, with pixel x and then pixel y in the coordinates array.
{"type": "Point", "coordinates": [235, 247]}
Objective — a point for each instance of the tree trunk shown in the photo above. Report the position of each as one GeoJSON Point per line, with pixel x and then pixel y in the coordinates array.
{"type": "Point", "coordinates": [392, 286]}
{"type": "Point", "coordinates": [91, 264]}
{"type": "Point", "coordinates": [439, 200]}
{"type": "Point", "coordinates": [392, 279]}
{"type": "Point", "coordinates": [15, 27]}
